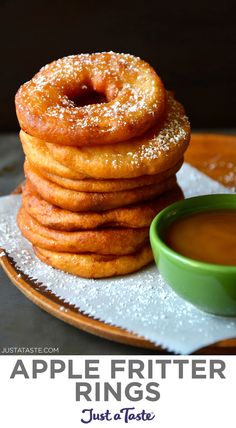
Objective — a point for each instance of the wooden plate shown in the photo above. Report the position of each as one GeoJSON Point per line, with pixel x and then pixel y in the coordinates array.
{"type": "Point", "coordinates": [213, 154]}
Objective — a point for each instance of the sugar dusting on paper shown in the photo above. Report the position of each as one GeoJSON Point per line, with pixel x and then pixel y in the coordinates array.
{"type": "Point", "coordinates": [142, 302]}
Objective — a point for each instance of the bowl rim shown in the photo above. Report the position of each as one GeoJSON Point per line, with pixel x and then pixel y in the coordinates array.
{"type": "Point", "coordinates": [193, 263]}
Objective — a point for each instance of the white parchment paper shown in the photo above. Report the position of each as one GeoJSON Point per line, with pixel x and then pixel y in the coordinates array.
{"type": "Point", "coordinates": [142, 302]}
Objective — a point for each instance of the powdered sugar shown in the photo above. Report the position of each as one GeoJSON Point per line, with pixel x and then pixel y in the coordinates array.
{"type": "Point", "coordinates": [155, 151]}
{"type": "Point", "coordinates": [141, 302]}
{"type": "Point", "coordinates": [133, 91]}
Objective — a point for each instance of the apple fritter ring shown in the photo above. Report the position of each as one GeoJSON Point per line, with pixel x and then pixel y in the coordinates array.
{"type": "Point", "coordinates": [134, 216]}
{"type": "Point", "coordinates": [94, 265]}
{"type": "Point", "coordinates": [40, 157]}
{"type": "Point", "coordinates": [157, 150]}
{"type": "Point", "coordinates": [87, 201]}
{"type": "Point", "coordinates": [93, 185]}
{"type": "Point", "coordinates": [134, 99]}
{"type": "Point", "coordinates": [116, 241]}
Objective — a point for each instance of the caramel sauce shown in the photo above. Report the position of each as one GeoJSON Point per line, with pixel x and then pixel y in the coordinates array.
{"type": "Point", "coordinates": [207, 236]}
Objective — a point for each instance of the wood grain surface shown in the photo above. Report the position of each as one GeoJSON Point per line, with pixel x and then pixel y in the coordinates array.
{"type": "Point", "coordinates": [215, 155]}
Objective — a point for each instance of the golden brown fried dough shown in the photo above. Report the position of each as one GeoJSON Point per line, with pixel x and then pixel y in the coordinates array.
{"type": "Point", "coordinates": [156, 151]}
{"type": "Point", "coordinates": [39, 156]}
{"type": "Point", "coordinates": [135, 216]}
{"type": "Point", "coordinates": [135, 99]}
{"type": "Point", "coordinates": [116, 241]}
{"type": "Point", "coordinates": [94, 265]}
{"type": "Point", "coordinates": [93, 185]}
{"type": "Point", "coordinates": [103, 141]}
{"type": "Point", "coordinates": [85, 201]}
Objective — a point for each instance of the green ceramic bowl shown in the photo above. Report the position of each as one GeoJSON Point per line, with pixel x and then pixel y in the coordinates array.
{"type": "Point", "coordinates": [210, 287]}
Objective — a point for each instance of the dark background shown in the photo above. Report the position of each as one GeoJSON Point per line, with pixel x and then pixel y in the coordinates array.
{"type": "Point", "coordinates": [191, 44]}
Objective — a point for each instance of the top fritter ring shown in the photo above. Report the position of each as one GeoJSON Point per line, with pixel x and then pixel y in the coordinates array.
{"type": "Point", "coordinates": [134, 99]}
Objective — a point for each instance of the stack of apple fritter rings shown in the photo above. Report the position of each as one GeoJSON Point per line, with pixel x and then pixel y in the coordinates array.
{"type": "Point", "coordinates": [103, 142]}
